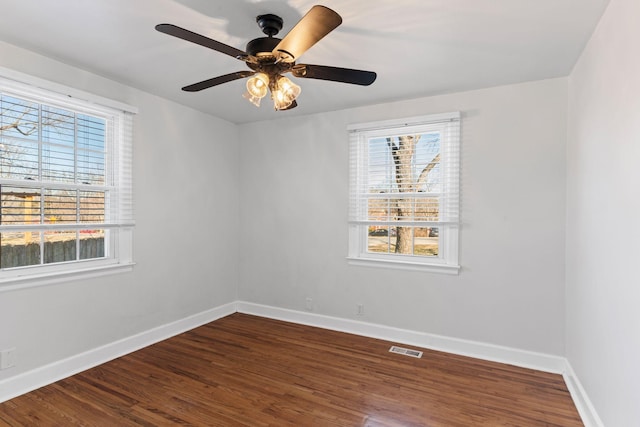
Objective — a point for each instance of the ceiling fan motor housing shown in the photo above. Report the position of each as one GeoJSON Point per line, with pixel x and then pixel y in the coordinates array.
{"type": "Point", "coordinates": [262, 45]}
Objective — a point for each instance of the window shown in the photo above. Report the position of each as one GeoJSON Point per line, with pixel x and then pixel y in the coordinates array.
{"type": "Point", "coordinates": [65, 185]}
{"type": "Point", "coordinates": [404, 193]}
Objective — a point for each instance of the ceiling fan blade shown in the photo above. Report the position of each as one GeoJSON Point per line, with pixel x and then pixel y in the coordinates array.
{"type": "Point", "coordinates": [335, 74]}
{"type": "Point", "coordinates": [313, 26]}
{"type": "Point", "coordinates": [206, 84]}
{"type": "Point", "coordinates": [192, 37]}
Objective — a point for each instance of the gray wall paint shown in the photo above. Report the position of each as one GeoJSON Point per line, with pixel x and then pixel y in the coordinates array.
{"type": "Point", "coordinates": [294, 234]}
{"type": "Point", "coordinates": [292, 225]}
{"type": "Point", "coordinates": [603, 207]}
{"type": "Point", "coordinates": [186, 250]}
{"type": "Point", "coordinates": [294, 193]}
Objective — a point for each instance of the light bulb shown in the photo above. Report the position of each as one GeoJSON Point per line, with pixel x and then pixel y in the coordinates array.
{"type": "Point", "coordinates": [280, 101]}
{"type": "Point", "coordinates": [286, 92]}
{"type": "Point", "coordinates": [289, 89]}
{"type": "Point", "coordinates": [258, 84]}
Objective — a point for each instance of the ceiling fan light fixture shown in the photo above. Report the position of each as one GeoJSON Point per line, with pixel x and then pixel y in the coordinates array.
{"type": "Point", "coordinates": [279, 101]}
{"type": "Point", "coordinates": [258, 85]}
{"type": "Point", "coordinates": [284, 93]}
{"type": "Point", "coordinates": [257, 88]}
{"type": "Point", "coordinates": [289, 88]}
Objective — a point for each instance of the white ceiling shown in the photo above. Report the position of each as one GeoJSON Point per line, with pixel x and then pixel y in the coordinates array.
{"type": "Point", "coordinates": [417, 47]}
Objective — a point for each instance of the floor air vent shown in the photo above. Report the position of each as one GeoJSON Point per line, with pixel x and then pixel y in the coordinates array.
{"type": "Point", "coordinates": [405, 351]}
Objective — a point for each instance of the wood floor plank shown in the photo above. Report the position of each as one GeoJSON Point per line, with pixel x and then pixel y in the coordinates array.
{"type": "Point", "coordinates": [251, 371]}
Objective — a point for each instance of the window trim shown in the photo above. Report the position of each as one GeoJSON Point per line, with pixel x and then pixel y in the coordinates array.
{"type": "Point", "coordinates": [448, 239]}
{"type": "Point", "coordinates": [121, 237]}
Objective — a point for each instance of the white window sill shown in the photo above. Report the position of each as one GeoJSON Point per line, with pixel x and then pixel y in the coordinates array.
{"type": "Point", "coordinates": [35, 280]}
{"type": "Point", "coordinates": [404, 265]}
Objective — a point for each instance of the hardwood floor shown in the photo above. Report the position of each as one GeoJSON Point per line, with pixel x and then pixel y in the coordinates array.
{"type": "Point", "coordinates": [249, 371]}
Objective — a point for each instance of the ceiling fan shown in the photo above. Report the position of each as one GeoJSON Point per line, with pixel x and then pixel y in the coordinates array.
{"type": "Point", "coordinates": [269, 58]}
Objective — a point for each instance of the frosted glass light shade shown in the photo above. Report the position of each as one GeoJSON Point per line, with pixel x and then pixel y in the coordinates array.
{"type": "Point", "coordinates": [258, 85]}
{"type": "Point", "coordinates": [286, 92]}
{"type": "Point", "coordinates": [255, 100]}
{"type": "Point", "coordinates": [257, 88]}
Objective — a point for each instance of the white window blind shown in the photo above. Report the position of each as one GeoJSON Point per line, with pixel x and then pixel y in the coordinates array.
{"type": "Point", "coordinates": [404, 190]}
{"type": "Point", "coordinates": [65, 184]}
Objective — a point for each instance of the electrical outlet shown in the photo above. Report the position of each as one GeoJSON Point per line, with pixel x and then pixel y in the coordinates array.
{"type": "Point", "coordinates": [309, 304]}
{"type": "Point", "coordinates": [360, 309]}
{"type": "Point", "coordinates": [7, 358]}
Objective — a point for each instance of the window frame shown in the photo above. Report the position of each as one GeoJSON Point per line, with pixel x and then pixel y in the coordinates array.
{"type": "Point", "coordinates": [448, 223]}
{"type": "Point", "coordinates": [118, 170]}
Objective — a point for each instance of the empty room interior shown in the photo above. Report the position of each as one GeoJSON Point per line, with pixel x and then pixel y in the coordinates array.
{"type": "Point", "coordinates": [279, 212]}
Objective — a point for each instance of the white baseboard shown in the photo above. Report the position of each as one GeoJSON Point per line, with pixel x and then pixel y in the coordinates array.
{"type": "Point", "coordinates": [31, 380]}
{"type": "Point", "coordinates": [588, 413]}
{"type": "Point", "coordinates": [480, 350]}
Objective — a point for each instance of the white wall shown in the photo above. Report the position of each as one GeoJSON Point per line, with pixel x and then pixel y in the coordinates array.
{"type": "Point", "coordinates": [294, 192]}
{"type": "Point", "coordinates": [603, 209]}
{"type": "Point", "coordinates": [186, 206]}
